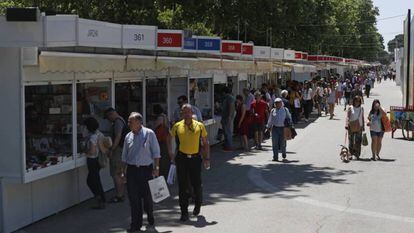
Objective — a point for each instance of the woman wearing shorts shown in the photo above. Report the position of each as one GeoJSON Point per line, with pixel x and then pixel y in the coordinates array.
{"type": "Point", "coordinates": [376, 128]}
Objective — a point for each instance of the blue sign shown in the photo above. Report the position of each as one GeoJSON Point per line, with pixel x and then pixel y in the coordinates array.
{"type": "Point", "coordinates": [190, 43]}
{"type": "Point", "coordinates": [208, 44]}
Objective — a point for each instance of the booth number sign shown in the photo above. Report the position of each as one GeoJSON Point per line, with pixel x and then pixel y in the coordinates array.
{"type": "Point", "coordinates": [138, 37]}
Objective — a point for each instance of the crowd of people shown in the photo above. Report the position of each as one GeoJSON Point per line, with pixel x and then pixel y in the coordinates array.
{"type": "Point", "coordinates": [137, 153]}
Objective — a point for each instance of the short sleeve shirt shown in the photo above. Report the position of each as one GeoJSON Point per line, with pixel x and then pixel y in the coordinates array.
{"type": "Point", "coordinates": [189, 136]}
{"type": "Point", "coordinates": [259, 108]}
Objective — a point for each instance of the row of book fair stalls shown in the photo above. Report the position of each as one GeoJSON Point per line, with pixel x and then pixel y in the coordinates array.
{"type": "Point", "coordinates": [42, 168]}
{"type": "Point", "coordinates": [48, 90]}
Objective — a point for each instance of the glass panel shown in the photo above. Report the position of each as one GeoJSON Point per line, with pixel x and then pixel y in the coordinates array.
{"type": "Point", "coordinates": [92, 101]}
{"type": "Point", "coordinates": [157, 94]}
{"type": "Point", "coordinates": [200, 96]}
{"type": "Point", "coordinates": [48, 124]}
{"type": "Point", "coordinates": [178, 87]}
{"type": "Point", "coordinates": [218, 98]}
{"type": "Point", "coordinates": [242, 85]}
{"type": "Point", "coordinates": [128, 98]}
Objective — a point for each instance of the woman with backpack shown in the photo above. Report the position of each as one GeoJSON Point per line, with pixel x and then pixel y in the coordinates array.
{"type": "Point", "coordinates": [355, 126]}
{"type": "Point", "coordinates": [93, 149]}
{"type": "Point", "coordinates": [279, 118]}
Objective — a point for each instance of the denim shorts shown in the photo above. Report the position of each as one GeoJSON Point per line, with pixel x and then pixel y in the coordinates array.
{"type": "Point", "coordinates": [377, 134]}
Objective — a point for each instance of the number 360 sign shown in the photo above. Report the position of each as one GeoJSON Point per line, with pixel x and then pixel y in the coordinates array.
{"type": "Point", "coordinates": [139, 37]}
{"type": "Point", "coordinates": [170, 39]}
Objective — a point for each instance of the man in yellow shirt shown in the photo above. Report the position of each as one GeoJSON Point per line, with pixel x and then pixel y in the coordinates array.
{"type": "Point", "coordinates": [188, 159]}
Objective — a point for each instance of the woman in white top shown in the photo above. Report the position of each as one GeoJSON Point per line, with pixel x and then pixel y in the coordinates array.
{"type": "Point", "coordinates": [331, 100]}
{"type": "Point", "coordinates": [92, 153]}
{"type": "Point", "coordinates": [376, 128]}
{"type": "Point", "coordinates": [308, 100]}
{"type": "Point", "coordinates": [355, 126]}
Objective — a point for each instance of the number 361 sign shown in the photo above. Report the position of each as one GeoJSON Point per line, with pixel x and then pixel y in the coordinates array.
{"type": "Point", "coordinates": [139, 37]}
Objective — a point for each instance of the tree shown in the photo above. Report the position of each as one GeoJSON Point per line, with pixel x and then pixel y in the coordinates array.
{"type": "Point", "coordinates": [397, 42]}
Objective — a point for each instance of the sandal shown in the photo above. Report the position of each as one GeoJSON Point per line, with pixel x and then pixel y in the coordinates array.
{"type": "Point", "coordinates": [116, 199]}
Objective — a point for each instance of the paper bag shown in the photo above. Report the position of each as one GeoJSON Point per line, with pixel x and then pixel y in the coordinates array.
{"type": "Point", "coordinates": [159, 189]}
{"type": "Point", "coordinates": [171, 175]}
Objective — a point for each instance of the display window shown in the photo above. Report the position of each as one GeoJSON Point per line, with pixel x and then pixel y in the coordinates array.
{"type": "Point", "coordinates": [92, 101]}
{"type": "Point", "coordinates": [201, 96]}
{"type": "Point", "coordinates": [156, 99]}
{"type": "Point", "coordinates": [232, 84]}
{"type": "Point", "coordinates": [128, 98]}
{"type": "Point", "coordinates": [48, 125]}
{"type": "Point", "coordinates": [242, 84]}
{"type": "Point", "coordinates": [219, 98]}
{"type": "Point", "coordinates": [178, 87]}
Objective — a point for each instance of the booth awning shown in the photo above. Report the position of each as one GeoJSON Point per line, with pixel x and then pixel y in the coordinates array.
{"type": "Point", "coordinates": [303, 68]}
{"type": "Point", "coordinates": [140, 63]}
{"type": "Point", "coordinates": [238, 66]}
{"type": "Point", "coordinates": [208, 64]}
{"type": "Point", "coordinates": [80, 62]}
{"type": "Point", "coordinates": [176, 63]}
{"type": "Point", "coordinates": [263, 67]}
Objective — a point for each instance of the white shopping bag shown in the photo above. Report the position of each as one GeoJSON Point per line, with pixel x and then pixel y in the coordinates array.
{"type": "Point", "coordinates": [171, 175]}
{"type": "Point", "coordinates": [159, 189]}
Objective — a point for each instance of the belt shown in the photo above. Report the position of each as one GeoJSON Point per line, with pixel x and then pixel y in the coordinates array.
{"type": "Point", "coordinates": [188, 156]}
{"type": "Point", "coordinates": [140, 166]}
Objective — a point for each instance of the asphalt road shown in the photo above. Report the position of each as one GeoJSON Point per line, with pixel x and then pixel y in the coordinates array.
{"type": "Point", "coordinates": [312, 192]}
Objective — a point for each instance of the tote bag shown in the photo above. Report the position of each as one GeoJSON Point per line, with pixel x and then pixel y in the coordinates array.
{"type": "Point", "coordinates": [159, 189]}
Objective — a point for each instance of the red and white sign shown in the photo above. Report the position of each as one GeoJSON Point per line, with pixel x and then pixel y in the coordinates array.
{"type": "Point", "coordinates": [170, 39]}
{"type": "Point", "coordinates": [277, 53]}
{"type": "Point", "coordinates": [298, 55]}
{"type": "Point", "coordinates": [231, 46]}
{"type": "Point", "coordinates": [262, 52]}
{"type": "Point", "coordinates": [247, 49]}
{"type": "Point", "coordinates": [304, 56]}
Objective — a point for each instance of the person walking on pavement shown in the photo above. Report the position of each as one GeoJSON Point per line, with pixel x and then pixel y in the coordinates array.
{"type": "Point", "coordinates": [331, 100]}
{"type": "Point", "coordinates": [119, 131]}
{"type": "Point", "coordinates": [376, 128]}
{"type": "Point", "coordinates": [260, 112]}
{"type": "Point", "coordinates": [242, 122]}
{"type": "Point", "coordinates": [348, 90]}
{"type": "Point", "coordinates": [308, 100]}
{"type": "Point", "coordinates": [368, 84]}
{"type": "Point", "coordinates": [92, 152]}
{"type": "Point", "coordinates": [355, 126]}
{"type": "Point", "coordinates": [140, 158]}
{"type": "Point", "coordinates": [161, 130]}
{"type": "Point", "coordinates": [278, 119]}
{"type": "Point", "coordinates": [177, 115]}
{"type": "Point", "coordinates": [188, 159]}
{"type": "Point", "coordinates": [227, 119]}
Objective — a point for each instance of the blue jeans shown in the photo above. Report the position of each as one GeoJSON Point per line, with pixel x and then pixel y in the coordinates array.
{"type": "Point", "coordinates": [228, 133]}
{"type": "Point", "coordinates": [278, 142]}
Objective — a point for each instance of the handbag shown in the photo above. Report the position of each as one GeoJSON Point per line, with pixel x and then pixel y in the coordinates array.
{"type": "Point", "coordinates": [386, 123]}
{"type": "Point", "coordinates": [355, 126]}
{"type": "Point", "coordinates": [171, 175]}
{"type": "Point", "coordinates": [104, 145]}
{"type": "Point", "coordinates": [364, 139]}
{"type": "Point", "coordinates": [159, 189]}
{"type": "Point", "coordinates": [287, 133]}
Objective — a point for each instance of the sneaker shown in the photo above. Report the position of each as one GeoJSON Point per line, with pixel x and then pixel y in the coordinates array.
{"type": "Point", "coordinates": [184, 217]}
{"type": "Point", "coordinates": [284, 156]}
{"type": "Point", "coordinates": [134, 229]}
{"type": "Point", "coordinates": [117, 199]}
{"type": "Point", "coordinates": [196, 210]}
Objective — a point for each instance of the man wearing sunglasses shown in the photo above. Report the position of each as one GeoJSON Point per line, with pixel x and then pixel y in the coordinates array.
{"type": "Point", "coordinates": [188, 159]}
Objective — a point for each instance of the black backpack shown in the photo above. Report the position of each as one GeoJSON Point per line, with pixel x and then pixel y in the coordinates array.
{"type": "Point", "coordinates": [125, 131]}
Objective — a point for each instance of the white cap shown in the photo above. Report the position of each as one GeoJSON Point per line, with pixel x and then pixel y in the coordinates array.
{"type": "Point", "coordinates": [278, 100]}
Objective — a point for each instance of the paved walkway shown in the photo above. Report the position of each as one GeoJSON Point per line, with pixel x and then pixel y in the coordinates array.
{"type": "Point", "coordinates": [312, 192]}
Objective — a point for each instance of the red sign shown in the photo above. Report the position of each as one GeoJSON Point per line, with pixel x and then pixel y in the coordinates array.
{"type": "Point", "coordinates": [312, 58]}
{"type": "Point", "coordinates": [298, 55]}
{"type": "Point", "coordinates": [231, 47]}
{"type": "Point", "coordinates": [304, 56]}
{"type": "Point", "coordinates": [170, 40]}
{"type": "Point", "coordinates": [247, 49]}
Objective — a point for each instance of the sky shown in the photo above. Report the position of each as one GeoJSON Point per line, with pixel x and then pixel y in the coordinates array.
{"type": "Point", "coordinates": [389, 8]}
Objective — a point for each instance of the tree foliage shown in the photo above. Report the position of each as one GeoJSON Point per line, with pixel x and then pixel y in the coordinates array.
{"type": "Point", "coordinates": [397, 42]}
{"type": "Point", "coordinates": [336, 27]}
